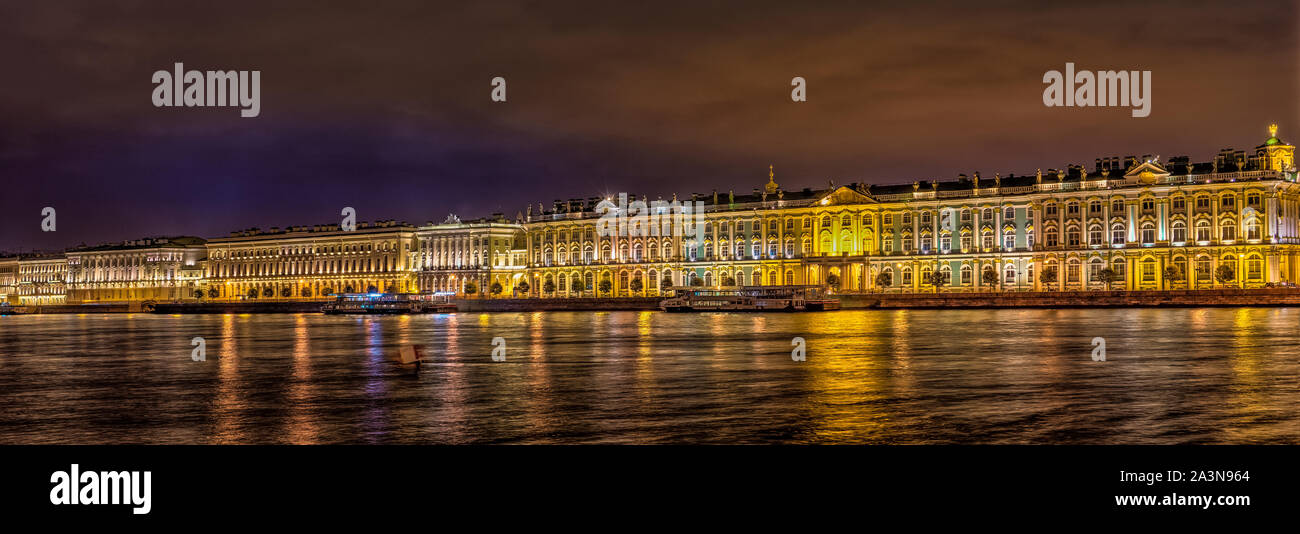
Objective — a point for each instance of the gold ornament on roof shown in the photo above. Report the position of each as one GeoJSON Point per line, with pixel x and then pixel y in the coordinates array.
{"type": "Point", "coordinates": [771, 186]}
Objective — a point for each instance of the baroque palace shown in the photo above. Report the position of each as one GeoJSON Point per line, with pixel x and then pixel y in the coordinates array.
{"type": "Point", "coordinates": [1123, 223]}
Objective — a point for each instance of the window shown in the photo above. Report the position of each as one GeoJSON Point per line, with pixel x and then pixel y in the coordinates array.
{"type": "Point", "coordinates": [1148, 204]}
{"type": "Point", "coordinates": [1228, 201]}
{"type": "Point", "coordinates": [1094, 270]}
{"type": "Point", "coordinates": [1072, 208]}
{"type": "Point", "coordinates": [1179, 232]}
{"type": "Point", "coordinates": [1228, 232]}
{"type": "Point", "coordinates": [1203, 202]}
{"type": "Point", "coordinates": [1009, 240]}
{"type": "Point", "coordinates": [1094, 208]}
{"type": "Point", "coordinates": [1051, 237]}
{"type": "Point", "coordinates": [967, 275]}
{"type": "Point", "coordinates": [945, 243]}
{"type": "Point", "coordinates": [987, 239]}
{"type": "Point", "coordinates": [965, 243]}
{"type": "Point", "coordinates": [1252, 229]}
{"type": "Point", "coordinates": [1179, 204]}
{"type": "Point", "coordinates": [925, 217]}
{"type": "Point", "coordinates": [907, 217]}
{"type": "Point", "coordinates": [1117, 235]}
{"type": "Point", "coordinates": [866, 221]}
{"type": "Point", "coordinates": [1072, 236]}
{"type": "Point", "coordinates": [1117, 208]}
{"type": "Point", "coordinates": [1049, 209]}
{"type": "Point", "coordinates": [1148, 270]}
{"type": "Point", "coordinates": [1009, 213]}
{"type": "Point", "coordinates": [889, 219]}
{"type": "Point", "coordinates": [1252, 199]}
{"type": "Point", "coordinates": [1148, 234]}
{"type": "Point", "coordinates": [1203, 230]}
{"type": "Point", "coordinates": [1095, 235]}
{"type": "Point", "coordinates": [1254, 268]}
{"type": "Point", "coordinates": [1203, 268]}
{"type": "Point", "coordinates": [1072, 272]}
{"type": "Point", "coordinates": [965, 215]}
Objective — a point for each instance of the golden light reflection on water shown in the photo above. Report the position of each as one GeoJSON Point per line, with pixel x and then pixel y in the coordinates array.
{"type": "Point", "coordinates": [303, 428]}
{"type": "Point", "coordinates": [1245, 357]}
{"type": "Point", "coordinates": [847, 379]}
{"type": "Point", "coordinates": [227, 405]}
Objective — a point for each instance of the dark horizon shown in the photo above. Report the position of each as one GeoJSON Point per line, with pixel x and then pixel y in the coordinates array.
{"type": "Point", "coordinates": [389, 112]}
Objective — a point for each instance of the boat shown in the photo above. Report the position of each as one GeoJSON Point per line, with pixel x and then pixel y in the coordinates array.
{"type": "Point", "coordinates": [6, 309]}
{"type": "Point", "coordinates": [750, 298]}
{"type": "Point", "coordinates": [389, 304]}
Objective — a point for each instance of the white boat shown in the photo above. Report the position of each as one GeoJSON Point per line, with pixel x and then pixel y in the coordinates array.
{"type": "Point", "coordinates": [750, 298]}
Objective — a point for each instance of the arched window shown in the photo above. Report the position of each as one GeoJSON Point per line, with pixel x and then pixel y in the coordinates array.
{"type": "Point", "coordinates": [1178, 232]}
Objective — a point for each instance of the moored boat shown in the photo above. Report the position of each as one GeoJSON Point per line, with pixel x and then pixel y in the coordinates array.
{"type": "Point", "coordinates": [750, 298]}
{"type": "Point", "coordinates": [389, 304]}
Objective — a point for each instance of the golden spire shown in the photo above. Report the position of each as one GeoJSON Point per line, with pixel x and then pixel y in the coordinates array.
{"type": "Point", "coordinates": [1272, 130]}
{"type": "Point", "coordinates": [771, 180]}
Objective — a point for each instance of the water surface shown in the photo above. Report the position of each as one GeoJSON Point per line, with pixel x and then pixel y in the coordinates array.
{"type": "Point", "coordinates": [1171, 376]}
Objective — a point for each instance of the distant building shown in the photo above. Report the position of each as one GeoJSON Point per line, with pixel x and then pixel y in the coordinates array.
{"type": "Point", "coordinates": [157, 269]}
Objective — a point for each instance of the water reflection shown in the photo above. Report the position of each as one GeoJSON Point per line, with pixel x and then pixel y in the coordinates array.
{"type": "Point", "coordinates": [940, 376]}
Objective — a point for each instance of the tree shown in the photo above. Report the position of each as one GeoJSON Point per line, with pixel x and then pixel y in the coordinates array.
{"type": "Point", "coordinates": [496, 288]}
{"type": "Point", "coordinates": [938, 279]}
{"type": "Point", "coordinates": [471, 288]}
{"type": "Point", "coordinates": [198, 293]}
{"type": "Point", "coordinates": [884, 279]}
{"type": "Point", "coordinates": [306, 292]}
{"type": "Point", "coordinates": [990, 277]}
{"type": "Point", "coordinates": [213, 293]}
{"type": "Point", "coordinates": [390, 289]}
{"type": "Point", "coordinates": [1107, 276]}
{"type": "Point", "coordinates": [252, 293]}
{"type": "Point", "coordinates": [548, 287]}
{"type": "Point", "coordinates": [327, 291]}
{"type": "Point", "coordinates": [372, 289]}
{"type": "Point", "coordinates": [522, 286]}
{"type": "Point", "coordinates": [286, 292]}
{"type": "Point", "coordinates": [833, 280]}
{"type": "Point", "coordinates": [1049, 276]}
{"type": "Point", "coordinates": [268, 292]}
{"type": "Point", "coordinates": [1224, 274]}
{"type": "Point", "coordinates": [606, 286]}
{"type": "Point", "coordinates": [666, 285]}
{"type": "Point", "coordinates": [728, 281]}
{"type": "Point", "coordinates": [636, 285]}
{"type": "Point", "coordinates": [1172, 274]}
{"type": "Point", "coordinates": [349, 289]}
{"type": "Point", "coordinates": [697, 281]}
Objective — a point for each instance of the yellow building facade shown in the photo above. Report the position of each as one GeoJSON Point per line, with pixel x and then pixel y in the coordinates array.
{"type": "Point", "coordinates": [1125, 223]}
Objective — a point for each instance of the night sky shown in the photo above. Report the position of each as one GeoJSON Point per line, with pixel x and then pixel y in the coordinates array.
{"type": "Point", "coordinates": [384, 106]}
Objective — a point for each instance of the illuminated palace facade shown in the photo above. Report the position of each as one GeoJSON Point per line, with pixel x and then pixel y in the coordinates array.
{"type": "Point", "coordinates": [1134, 223]}
{"type": "Point", "coordinates": [1131, 223]}
{"type": "Point", "coordinates": [314, 261]}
